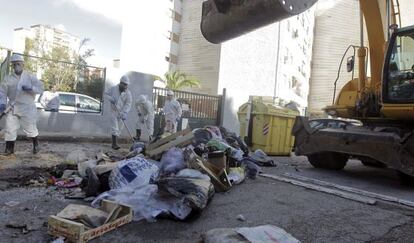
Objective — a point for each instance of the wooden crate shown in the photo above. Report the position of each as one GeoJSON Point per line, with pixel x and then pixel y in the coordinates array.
{"type": "Point", "coordinates": [79, 233]}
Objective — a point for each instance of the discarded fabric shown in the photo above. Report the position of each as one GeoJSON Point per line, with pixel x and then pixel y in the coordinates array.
{"type": "Point", "coordinates": [172, 161]}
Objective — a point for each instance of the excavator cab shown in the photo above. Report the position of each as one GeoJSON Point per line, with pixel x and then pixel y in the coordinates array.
{"type": "Point", "coordinates": [398, 76]}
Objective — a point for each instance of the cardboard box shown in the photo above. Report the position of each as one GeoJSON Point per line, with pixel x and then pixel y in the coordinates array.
{"type": "Point", "coordinates": [78, 232]}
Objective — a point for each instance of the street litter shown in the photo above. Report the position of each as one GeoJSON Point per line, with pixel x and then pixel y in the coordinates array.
{"type": "Point", "coordinates": [259, 234]}
{"type": "Point", "coordinates": [78, 223]}
{"type": "Point", "coordinates": [175, 177]}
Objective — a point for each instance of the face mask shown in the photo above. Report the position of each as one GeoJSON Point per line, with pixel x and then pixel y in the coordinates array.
{"type": "Point", "coordinates": [18, 69]}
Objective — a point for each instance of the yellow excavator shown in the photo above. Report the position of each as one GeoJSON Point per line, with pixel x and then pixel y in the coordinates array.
{"type": "Point", "coordinates": [383, 102]}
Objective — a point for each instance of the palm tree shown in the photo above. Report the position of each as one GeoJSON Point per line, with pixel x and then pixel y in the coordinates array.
{"type": "Point", "coordinates": [177, 80]}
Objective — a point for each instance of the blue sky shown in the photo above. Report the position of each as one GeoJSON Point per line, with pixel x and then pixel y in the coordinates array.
{"type": "Point", "coordinates": [84, 18]}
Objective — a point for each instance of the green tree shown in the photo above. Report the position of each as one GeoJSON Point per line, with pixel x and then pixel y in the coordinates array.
{"type": "Point", "coordinates": [59, 66]}
{"type": "Point", "coordinates": [58, 70]}
{"type": "Point", "coordinates": [80, 61]}
{"type": "Point", "coordinates": [178, 80]}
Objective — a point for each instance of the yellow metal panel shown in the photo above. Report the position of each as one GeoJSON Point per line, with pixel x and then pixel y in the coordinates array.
{"type": "Point", "coordinates": [376, 37]}
{"type": "Point", "coordinates": [398, 111]}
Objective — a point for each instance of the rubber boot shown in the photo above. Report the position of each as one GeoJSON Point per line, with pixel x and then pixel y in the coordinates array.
{"type": "Point", "coordinates": [138, 134]}
{"type": "Point", "coordinates": [9, 148]}
{"type": "Point", "coordinates": [35, 145]}
{"type": "Point", "coordinates": [114, 143]}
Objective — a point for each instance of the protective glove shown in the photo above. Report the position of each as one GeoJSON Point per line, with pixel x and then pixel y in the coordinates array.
{"type": "Point", "coordinates": [123, 116]}
{"type": "Point", "coordinates": [112, 100]}
{"type": "Point", "coordinates": [2, 108]}
{"type": "Point", "coordinates": [26, 88]}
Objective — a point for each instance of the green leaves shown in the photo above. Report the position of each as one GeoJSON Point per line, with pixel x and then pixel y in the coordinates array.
{"type": "Point", "coordinates": [177, 80]}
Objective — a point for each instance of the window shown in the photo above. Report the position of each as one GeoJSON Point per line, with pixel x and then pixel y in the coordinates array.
{"type": "Point", "coordinates": [174, 37]}
{"type": "Point", "coordinates": [176, 16]}
{"type": "Point", "coordinates": [401, 69]}
{"type": "Point", "coordinates": [172, 58]}
{"type": "Point", "coordinates": [67, 99]}
{"type": "Point", "coordinates": [88, 105]}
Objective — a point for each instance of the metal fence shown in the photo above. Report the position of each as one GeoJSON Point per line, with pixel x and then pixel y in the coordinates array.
{"type": "Point", "coordinates": [198, 109]}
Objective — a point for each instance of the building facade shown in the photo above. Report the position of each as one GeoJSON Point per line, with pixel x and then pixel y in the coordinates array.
{"type": "Point", "coordinates": [272, 61]}
{"type": "Point", "coordinates": [49, 37]}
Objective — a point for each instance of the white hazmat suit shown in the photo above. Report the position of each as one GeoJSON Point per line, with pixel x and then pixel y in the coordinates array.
{"type": "Point", "coordinates": [145, 111]}
{"type": "Point", "coordinates": [24, 112]}
{"type": "Point", "coordinates": [172, 110]}
{"type": "Point", "coordinates": [123, 103]}
{"type": "Point", "coordinates": [50, 101]}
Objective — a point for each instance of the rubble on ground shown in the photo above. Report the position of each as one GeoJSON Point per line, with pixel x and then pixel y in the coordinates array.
{"type": "Point", "coordinates": [175, 177]}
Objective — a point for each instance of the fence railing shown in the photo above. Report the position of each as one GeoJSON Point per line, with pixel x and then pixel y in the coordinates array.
{"type": "Point", "coordinates": [194, 105]}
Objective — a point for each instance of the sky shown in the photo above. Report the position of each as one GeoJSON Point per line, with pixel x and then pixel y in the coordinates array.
{"type": "Point", "coordinates": [98, 20]}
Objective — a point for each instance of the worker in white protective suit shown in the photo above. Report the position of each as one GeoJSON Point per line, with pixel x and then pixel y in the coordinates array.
{"type": "Point", "coordinates": [20, 88]}
{"type": "Point", "coordinates": [172, 110]}
{"type": "Point", "coordinates": [50, 100]}
{"type": "Point", "coordinates": [121, 100]}
{"type": "Point", "coordinates": [145, 123]}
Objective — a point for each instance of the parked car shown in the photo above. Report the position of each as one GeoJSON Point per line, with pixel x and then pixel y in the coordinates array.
{"type": "Point", "coordinates": [74, 103]}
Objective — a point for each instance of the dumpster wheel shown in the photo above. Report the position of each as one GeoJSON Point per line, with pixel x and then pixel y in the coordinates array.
{"type": "Point", "coordinates": [328, 160]}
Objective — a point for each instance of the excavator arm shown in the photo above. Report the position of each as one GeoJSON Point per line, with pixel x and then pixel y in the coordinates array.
{"type": "Point", "coordinates": [226, 19]}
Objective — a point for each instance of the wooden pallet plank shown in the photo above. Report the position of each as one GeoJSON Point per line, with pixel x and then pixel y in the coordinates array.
{"type": "Point", "coordinates": [351, 196]}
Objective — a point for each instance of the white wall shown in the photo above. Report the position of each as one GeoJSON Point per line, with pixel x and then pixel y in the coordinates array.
{"type": "Point", "coordinates": [336, 27]}
{"type": "Point", "coordinates": [247, 67]}
{"type": "Point", "coordinates": [96, 125]}
{"type": "Point", "coordinates": [144, 44]}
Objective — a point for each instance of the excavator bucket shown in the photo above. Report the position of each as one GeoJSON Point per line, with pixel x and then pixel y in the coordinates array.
{"type": "Point", "coordinates": [226, 19]}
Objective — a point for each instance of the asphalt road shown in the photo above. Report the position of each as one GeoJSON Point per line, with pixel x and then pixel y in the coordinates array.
{"type": "Point", "coordinates": [308, 215]}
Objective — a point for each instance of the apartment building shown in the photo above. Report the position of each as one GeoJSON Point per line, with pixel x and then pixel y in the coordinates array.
{"type": "Point", "coordinates": [49, 37]}
{"type": "Point", "coordinates": [272, 61]}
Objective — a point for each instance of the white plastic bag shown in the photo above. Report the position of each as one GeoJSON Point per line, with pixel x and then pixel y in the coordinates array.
{"type": "Point", "coordinates": [133, 172]}
{"type": "Point", "coordinates": [146, 202]}
{"type": "Point", "coordinates": [172, 161]}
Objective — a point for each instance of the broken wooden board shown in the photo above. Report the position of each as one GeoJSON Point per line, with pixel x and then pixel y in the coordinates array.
{"type": "Point", "coordinates": [177, 142]}
{"type": "Point", "coordinates": [78, 232]}
{"type": "Point", "coordinates": [351, 196]}
{"type": "Point", "coordinates": [353, 190]}
{"type": "Point", "coordinates": [221, 183]}
{"type": "Point", "coordinates": [167, 139]}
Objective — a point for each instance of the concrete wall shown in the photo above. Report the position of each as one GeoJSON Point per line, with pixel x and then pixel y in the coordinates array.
{"type": "Point", "coordinates": [96, 125]}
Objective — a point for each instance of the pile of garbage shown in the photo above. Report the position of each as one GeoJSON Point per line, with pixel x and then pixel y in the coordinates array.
{"type": "Point", "coordinates": [175, 177]}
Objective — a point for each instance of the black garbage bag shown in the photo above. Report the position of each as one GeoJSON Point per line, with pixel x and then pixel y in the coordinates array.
{"type": "Point", "coordinates": [201, 136]}
{"type": "Point", "coordinates": [251, 168]}
{"type": "Point", "coordinates": [233, 140]}
{"type": "Point", "coordinates": [196, 193]}
{"type": "Point", "coordinates": [260, 158]}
